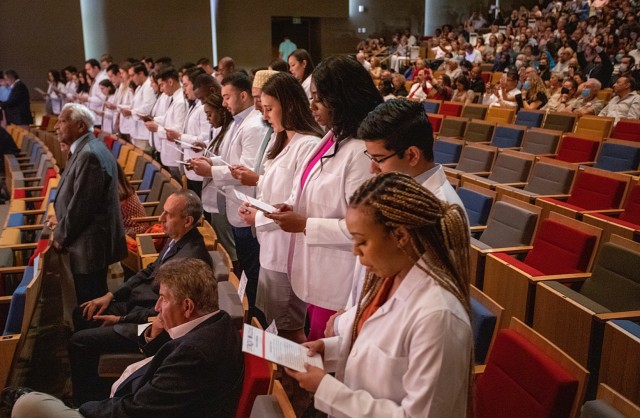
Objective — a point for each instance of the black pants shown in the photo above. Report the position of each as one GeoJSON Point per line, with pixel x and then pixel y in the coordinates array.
{"type": "Point", "coordinates": [248, 250]}
{"type": "Point", "coordinates": [196, 186]}
{"type": "Point", "coordinates": [85, 348]}
{"type": "Point", "coordinates": [90, 286]}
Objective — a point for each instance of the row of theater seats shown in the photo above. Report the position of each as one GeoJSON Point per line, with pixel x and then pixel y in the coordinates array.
{"type": "Point", "coordinates": [510, 225]}
{"type": "Point", "coordinates": [20, 250]}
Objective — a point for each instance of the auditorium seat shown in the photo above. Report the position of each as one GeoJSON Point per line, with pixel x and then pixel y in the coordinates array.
{"type": "Point", "coordinates": [510, 228]}
{"type": "Point", "coordinates": [153, 194]}
{"type": "Point", "coordinates": [475, 111]}
{"type": "Point", "coordinates": [627, 129]}
{"type": "Point", "coordinates": [450, 109]}
{"type": "Point", "coordinates": [507, 136]}
{"type": "Point", "coordinates": [548, 177]}
{"type": "Point", "coordinates": [577, 149]}
{"type": "Point", "coordinates": [431, 106]}
{"type": "Point", "coordinates": [619, 156]}
{"type": "Point", "coordinates": [560, 121]}
{"type": "Point", "coordinates": [504, 115]}
{"type": "Point", "coordinates": [593, 190]}
{"type": "Point", "coordinates": [540, 141]}
{"type": "Point", "coordinates": [274, 405]}
{"type": "Point", "coordinates": [478, 131]}
{"type": "Point", "coordinates": [597, 127]}
{"type": "Point", "coordinates": [436, 122]}
{"type": "Point", "coordinates": [526, 376]}
{"type": "Point", "coordinates": [474, 159]}
{"type": "Point", "coordinates": [625, 222]}
{"type": "Point", "coordinates": [609, 404]}
{"type": "Point", "coordinates": [622, 341]}
{"type": "Point", "coordinates": [485, 317]}
{"type": "Point", "coordinates": [453, 127]}
{"type": "Point", "coordinates": [563, 248]}
{"type": "Point", "coordinates": [530, 118]}
{"type": "Point", "coordinates": [572, 314]}
{"type": "Point", "coordinates": [510, 168]}
{"type": "Point", "coordinates": [477, 203]}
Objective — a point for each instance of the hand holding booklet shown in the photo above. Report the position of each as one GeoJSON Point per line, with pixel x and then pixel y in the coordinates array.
{"type": "Point", "coordinates": [277, 349]}
{"type": "Point", "coordinates": [255, 203]}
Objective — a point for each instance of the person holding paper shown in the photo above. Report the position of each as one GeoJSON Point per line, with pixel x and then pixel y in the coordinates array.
{"type": "Point", "coordinates": [55, 92]}
{"type": "Point", "coordinates": [173, 119]}
{"type": "Point", "coordinates": [296, 133]}
{"type": "Point", "coordinates": [408, 347]}
{"type": "Point", "coordinates": [343, 94]}
{"type": "Point", "coordinates": [143, 100]}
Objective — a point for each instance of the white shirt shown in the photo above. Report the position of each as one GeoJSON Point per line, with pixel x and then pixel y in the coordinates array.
{"type": "Point", "coordinates": [70, 90]}
{"type": "Point", "coordinates": [172, 119]}
{"type": "Point", "coordinates": [96, 98]}
{"type": "Point", "coordinates": [108, 115]}
{"type": "Point", "coordinates": [196, 129]}
{"type": "Point", "coordinates": [175, 333]}
{"type": "Point", "coordinates": [55, 98]}
{"type": "Point", "coordinates": [239, 146]}
{"type": "Point", "coordinates": [124, 96]}
{"type": "Point", "coordinates": [274, 186]}
{"type": "Point", "coordinates": [141, 104]}
{"type": "Point", "coordinates": [411, 358]}
{"type": "Point", "coordinates": [306, 86]}
{"type": "Point", "coordinates": [623, 108]}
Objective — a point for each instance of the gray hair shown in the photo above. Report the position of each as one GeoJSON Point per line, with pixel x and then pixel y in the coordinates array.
{"type": "Point", "coordinates": [192, 204]}
{"type": "Point", "coordinates": [80, 113]}
{"type": "Point", "coordinates": [595, 83]}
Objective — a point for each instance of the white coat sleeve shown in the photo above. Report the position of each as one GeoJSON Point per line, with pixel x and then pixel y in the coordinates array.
{"type": "Point", "coordinates": [250, 140]}
{"type": "Point", "coordinates": [439, 359]}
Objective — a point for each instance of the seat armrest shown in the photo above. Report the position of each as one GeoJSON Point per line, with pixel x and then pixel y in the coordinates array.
{"type": "Point", "coordinates": [146, 219]}
{"type": "Point", "coordinates": [631, 315]}
{"type": "Point", "coordinates": [508, 250]}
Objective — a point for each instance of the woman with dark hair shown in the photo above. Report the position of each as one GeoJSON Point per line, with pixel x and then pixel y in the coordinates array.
{"type": "Point", "coordinates": [83, 85]}
{"type": "Point", "coordinates": [220, 119]}
{"type": "Point", "coordinates": [279, 64]}
{"type": "Point", "coordinates": [441, 88]}
{"type": "Point", "coordinates": [55, 93]}
{"type": "Point", "coordinates": [462, 93]}
{"type": "Point", "coordinates": [301, 66]}
{"type": "Point", "coordinates": [343, 94]}
{"type": "Point", "coordinates": [107, 115]}
{"type": "Point", "coordinates": [130, 207]}
{"type": "Point", "coordinates": [407, 346]}
{"type": "Point", "coordinates": [295, 135]}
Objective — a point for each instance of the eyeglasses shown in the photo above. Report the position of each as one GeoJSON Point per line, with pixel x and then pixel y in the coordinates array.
{"type": "Point", "coordinates": [380, 160]}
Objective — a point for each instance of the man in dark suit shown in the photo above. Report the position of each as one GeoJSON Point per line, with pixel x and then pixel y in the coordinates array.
{"type": "Point", "coordinates": [17, 107]}
{"type": "Point", "coordinates": [197, 373]}
{"type": "Point", "coordinates": [132, 303]}
{"type": "Point", "coordinates": [89, 221]}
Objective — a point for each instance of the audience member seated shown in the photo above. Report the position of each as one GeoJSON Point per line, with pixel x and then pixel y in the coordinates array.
{"type": "Point", "coordinates": [119, 313]}
{"type": "Point", "coordinates": [588, 103]}
{"type": "Point", "coordinates": [476, 82]}
{"type": "Point", "coordinates": [625, 104]}
{"type": "Point", "coordinates": [130, 206]}
{"type": "Point", "coordinates": [504, 94]}
{"type": "Point", "coordinates": [568, 97]}
{"type": "Point", "coordinates": [441, 88]}
{"type": "Point", "coordinates": [195, 363]}
{"type": "Point", "coordinates": [399, 88]}
{"type": "Point", "coordinates": [462, 93]}
{"type": "Point", "coordinates": [534, 94]}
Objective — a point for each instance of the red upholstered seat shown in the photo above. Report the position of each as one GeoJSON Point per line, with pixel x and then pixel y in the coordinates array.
{"type": "Point", "coordinates": [627, 129]}
{"type": "Point", "coordinates": [108, 141]}
{"type": "Point", "coordinates": [436, 121]}
{"type": "Point", "coordinates": [450, 109]}
{"type": "Point", "coordinates": [22, 193]}
{"type": "Point", "coordinates": [592, 192]}
{"type": "Point", "coordinates": [577, 150]}
{"type": "Point", "coordinates": [257, 376]}
{"type": "Point", "coordinates": [45, 123]}
{"type": "Point", "coordinates": [557, 249]}
{"type": "Point", "coordinates": [40, 247]}
{"type": "Point", "coordinates": [631, 212]}
{"type": "Point", "coordinates": [521, 381]}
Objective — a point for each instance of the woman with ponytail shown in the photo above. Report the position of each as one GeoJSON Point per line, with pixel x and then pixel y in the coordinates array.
{"type": "Point", "coordinates": [408, 350]}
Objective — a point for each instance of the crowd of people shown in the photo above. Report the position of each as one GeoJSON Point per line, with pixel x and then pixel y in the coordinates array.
{"type": "Point", "coordinates": [365, 259]}
{"type": "Point", "coordinates": [539, 49]}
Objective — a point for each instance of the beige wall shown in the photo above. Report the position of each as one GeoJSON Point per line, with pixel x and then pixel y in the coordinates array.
{"type": "Point", "coordinates": [37, 35]}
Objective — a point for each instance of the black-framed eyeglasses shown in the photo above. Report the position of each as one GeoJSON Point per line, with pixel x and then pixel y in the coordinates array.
{"type": "Point", "coordinates": [380, 160]}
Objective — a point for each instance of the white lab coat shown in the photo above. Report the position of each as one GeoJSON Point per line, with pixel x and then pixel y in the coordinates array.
{"type": "Point", "coordinates": [70, 90]}
{"type": "Point", "coordinates": [124, 96]}
{"type": "Point", "coordinates": [327, 242]}
{"type": "Point", "coordinates": [274, 186]}
{"type": "Point", "coordinates": [96, 98]}
{"type": "Point", "coordinates": [240, 146]}
{"type": "Point", "coordinates": [143, 100]}
{"type": "Point", "coordinates": [196, 129]}
{"type": "Point", "coordinates": [173, 118]}
{"type": "Point", "coordinates": [56, 99]}
{"type": "Point", "coordinates": [108, 115]}
{"type": "Point", "coordinates": [411, 358]}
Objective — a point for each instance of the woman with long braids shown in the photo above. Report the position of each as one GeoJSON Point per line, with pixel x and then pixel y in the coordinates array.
{"type": "Point", "coordinates": [343, 94]}
{"type": "Point", "coordinates": [409, 346]}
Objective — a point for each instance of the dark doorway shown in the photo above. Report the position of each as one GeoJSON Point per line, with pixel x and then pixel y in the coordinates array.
{"type": "Point", "coordinates": [303, 31]}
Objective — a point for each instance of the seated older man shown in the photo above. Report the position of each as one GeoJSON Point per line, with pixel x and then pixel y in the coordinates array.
{"type": "Point", "coordinates": [120, 312]}
{"type": "Point", "coordinates": [626, 102]}
{"type": "Point", "coordinates": [196, 373]}
{"type": "Point", "coordinates": [588, 102]}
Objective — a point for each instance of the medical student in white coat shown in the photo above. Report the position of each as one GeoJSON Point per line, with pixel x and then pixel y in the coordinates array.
{"type": "Point", "coordinates": [94, 99]}
{"type": "Point", "coordinates": [194, 135]}
{"type": "Point", "coordinates": [170, 151]}
{"type": "Point", "coordinates": [295, 135]}
{"type": "Point", "coordinates": [399, 138]}
{"type": "Point", "coordinates": [107, 115]}
{"type": "Point", "coordinates": [143, 100]}
{"type": "Point", "coordinates": [123, 96]}
{"type": "Point", "coordinates": [239, 147]}
{"type": "Point", "coordinates": [301, 66]}
{"type": "Point", "coordinates": [407, 348]}
{"type": "Point", "coordinates": [55, 92]}
{"type": "Point", "coordinates": [343, 94]}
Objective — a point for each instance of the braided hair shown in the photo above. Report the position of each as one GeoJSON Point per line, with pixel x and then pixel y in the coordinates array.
{"type": "Point", "coordinates": [439, 234]}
